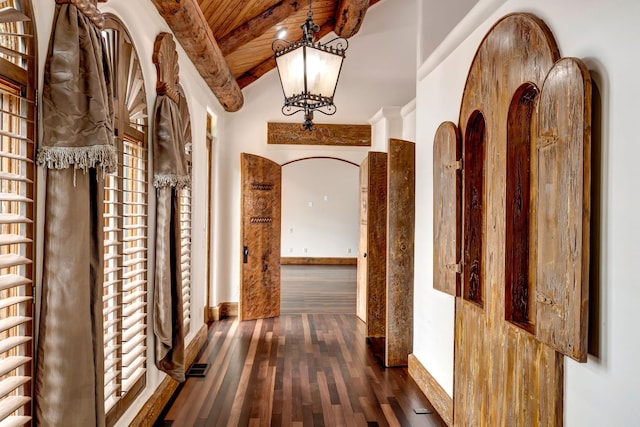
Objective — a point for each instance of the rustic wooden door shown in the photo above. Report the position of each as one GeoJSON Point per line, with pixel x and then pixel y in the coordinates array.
{"type": "Point", "coordinates": [400, 247]}
{"type": "Point", "coordinates": [260, 238]}
{"type": "Point", "coordinates": [372, 256]}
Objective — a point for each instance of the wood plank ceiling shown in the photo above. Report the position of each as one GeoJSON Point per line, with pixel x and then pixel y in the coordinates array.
{"type": "Point", "coordinates": [229, 41]}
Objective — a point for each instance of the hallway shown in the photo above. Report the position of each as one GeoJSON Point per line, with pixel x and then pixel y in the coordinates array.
{"type": "Point", "coordinates": [306, 369]}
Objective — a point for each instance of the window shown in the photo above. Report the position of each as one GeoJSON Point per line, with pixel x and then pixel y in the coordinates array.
{"type": "Point", "coordinates": [17, 174]}
{"type": "Point", "coordinates": [473, 208]}
{"type": "Point", "coordinates": [185, 245]}
{"type": "Point", "coordinates": [185, 216]}
{"type": "Point", "coordinates": [518, 293]}
{"type": "Point", "coordinates": [125, 231]}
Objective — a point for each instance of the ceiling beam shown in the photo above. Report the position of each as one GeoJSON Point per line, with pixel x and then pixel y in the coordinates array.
{"type": "Point", "coordinates": [194, 34]}
{"type": "Point", "coordinates": [257, 26]}
{"type": "Point", "coordinates": [269, 64]}
{"type": "Point", "coordinates": [349, 16]}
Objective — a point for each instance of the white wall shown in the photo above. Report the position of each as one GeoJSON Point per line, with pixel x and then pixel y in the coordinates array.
{"type": "Point", "coordinates": [386, 123]}
{"type": "Point", "coordinates": [604, 390]}
{"type": "Point", "coordinates": [200, 99]}
{"type": "Point", "coordinates": [408, 113]}
{"type": "Point", "coordinates": [320, 212]}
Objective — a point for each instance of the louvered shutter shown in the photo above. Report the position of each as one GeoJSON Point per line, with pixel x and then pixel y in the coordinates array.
{"type": "Point", "coordinates": [134, 263]}
{"type": "Point", "coordinates": [17, 149]}
{"type": "Point", "coordinates": [564, 175]}
{"type": "Point", "coordinates": [186, 214]}
{"type": "Point", "coordinates": [126, 231]}
{"type": "Point", "coordinates": [185, 254]}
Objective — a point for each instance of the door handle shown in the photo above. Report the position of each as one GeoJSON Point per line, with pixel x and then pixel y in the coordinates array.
{"type": "Point", "coordinates": [245, 254]}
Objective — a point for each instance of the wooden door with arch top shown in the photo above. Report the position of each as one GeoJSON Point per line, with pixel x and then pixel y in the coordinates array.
{"type": "Point", "coordinates": [260, 237]}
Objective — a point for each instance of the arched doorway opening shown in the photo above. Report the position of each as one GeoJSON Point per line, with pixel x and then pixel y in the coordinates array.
{"type": "Point", "coordinates": [320, 215]}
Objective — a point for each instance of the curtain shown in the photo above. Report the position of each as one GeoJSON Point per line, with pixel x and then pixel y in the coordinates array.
{"type": "Point", "coordinates": [170, 175]}
{"type": "Point", "coordinates": [76, 150]}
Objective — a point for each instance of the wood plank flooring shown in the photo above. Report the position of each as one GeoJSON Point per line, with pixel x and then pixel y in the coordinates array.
{"type": "Point", "coordinates": [318, 289]}
{"type": "Point", "coordinates": [305, 369]}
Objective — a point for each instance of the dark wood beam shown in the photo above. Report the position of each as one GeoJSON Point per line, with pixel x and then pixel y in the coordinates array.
{"type": "Point", "coordinates": [257, 26]}
{"type": "Point", "coordinates": [194, 34]}
{"type": "Point", "coordinates": [349, 16]}
{"type": "Point", "coordinates": [321, 134]}
{"type": "Point", "coordinates": [269, 64]}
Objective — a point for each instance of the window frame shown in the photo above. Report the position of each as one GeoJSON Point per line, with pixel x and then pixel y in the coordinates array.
{"type": "Point", "coordinates": [19, 80]}
{"type": "Point", "coordinates": [130, 180]}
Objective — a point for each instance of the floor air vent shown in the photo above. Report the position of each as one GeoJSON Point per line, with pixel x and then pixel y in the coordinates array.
{"type": "Point", "coordinates": [198, 370]}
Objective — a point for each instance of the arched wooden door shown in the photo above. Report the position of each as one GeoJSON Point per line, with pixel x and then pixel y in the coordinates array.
{"type": "Point", "coordinates": [260, 237]}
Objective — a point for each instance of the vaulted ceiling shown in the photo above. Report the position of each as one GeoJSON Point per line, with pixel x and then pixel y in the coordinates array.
{"type": "Point", "coordinates": [229, 41]}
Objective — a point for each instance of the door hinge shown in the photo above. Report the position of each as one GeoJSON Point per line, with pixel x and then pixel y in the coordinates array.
{"type": "Point", "coordinates": [457, 268]}
{"type": "Point", "coordinates": [457, 165]}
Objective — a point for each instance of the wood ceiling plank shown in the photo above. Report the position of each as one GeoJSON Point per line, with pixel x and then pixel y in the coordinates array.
{"type": "Point", "coordinates": [256, 72]}
{"type": "Point", "coordinates": [250, 59]}
{"type": "Point", "coordinates": [257, 26]}
{"type": "Point", "coordinates": [224, 16]}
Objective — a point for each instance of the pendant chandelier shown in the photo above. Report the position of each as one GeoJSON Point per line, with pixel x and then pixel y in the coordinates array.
{"type": "Point", "coordinates": [309, 72]}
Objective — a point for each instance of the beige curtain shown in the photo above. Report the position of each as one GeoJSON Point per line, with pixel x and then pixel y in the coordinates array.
{"type": "Point", "coordinates": [77, 150]}
{"type": "Point", "coordinates": [170, 175]}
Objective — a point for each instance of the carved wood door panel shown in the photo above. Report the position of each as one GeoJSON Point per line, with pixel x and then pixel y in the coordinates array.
{"type": "Point", "coordinates": [260, 238]}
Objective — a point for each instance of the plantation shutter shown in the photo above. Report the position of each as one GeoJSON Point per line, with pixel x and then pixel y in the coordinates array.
{"type": "Point", "coordinates": [185, 254]}
{"type": "Point", "coordinates": [564, 179]}
{"type": "Point", "coordinates": [447, 209]}
{"type": "Point", "coordinates": [126, 231]}
{"type": "Point", "coordinates": [17, 152]}
{"type": "Point", "coordinates": [186, 214]}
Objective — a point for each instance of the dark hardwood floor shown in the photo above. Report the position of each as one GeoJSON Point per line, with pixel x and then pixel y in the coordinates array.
{"type": "Point", "coordinates": [307, 369]}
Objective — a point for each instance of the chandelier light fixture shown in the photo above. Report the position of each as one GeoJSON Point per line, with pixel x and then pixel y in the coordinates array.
{"type": "Point", "coordinates": [309, 71]}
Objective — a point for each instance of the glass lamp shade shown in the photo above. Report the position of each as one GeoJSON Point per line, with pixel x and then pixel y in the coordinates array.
{"type": "Point", "coordinates": [308, 70]}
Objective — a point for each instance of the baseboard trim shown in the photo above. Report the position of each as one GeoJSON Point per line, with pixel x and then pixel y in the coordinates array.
{"type": "Point", "coordinates": [221, 311]}
{"type": "Point", "coordinates": [161, 396]}
{"type": "Point", "coordinates": [440, 399]}
{"type": "Point", "coordinates": [317, 261]}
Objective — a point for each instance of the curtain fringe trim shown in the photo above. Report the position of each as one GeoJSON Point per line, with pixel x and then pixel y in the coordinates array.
{"type": "Point", "coordinates": [96, 156]}
{"type": "Point", "coordinates": [171, 180]}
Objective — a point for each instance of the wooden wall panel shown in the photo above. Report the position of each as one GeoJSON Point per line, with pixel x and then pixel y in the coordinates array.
{"type": "Point", "coordinates": [447, 185]}
{"type": "Point", "coordinates": [503, 374]}
{"type": "Point", "coordinates": [400, 252]}
{"type": "Point", "coordinates": [526, 212]}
